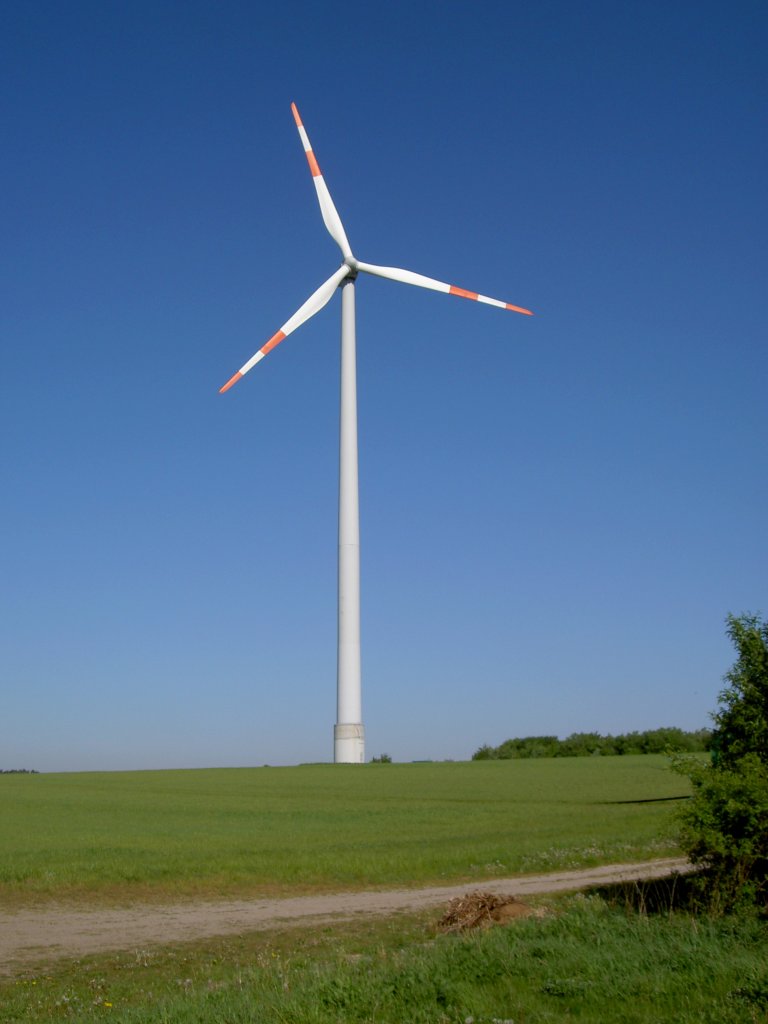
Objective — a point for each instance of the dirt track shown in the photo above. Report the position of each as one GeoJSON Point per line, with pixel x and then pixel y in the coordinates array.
{"type": "Point", "coordinates": [28, 936]}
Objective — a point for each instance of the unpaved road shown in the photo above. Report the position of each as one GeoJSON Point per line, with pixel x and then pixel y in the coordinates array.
{"type": "Point", "coordinates": [28, 936]}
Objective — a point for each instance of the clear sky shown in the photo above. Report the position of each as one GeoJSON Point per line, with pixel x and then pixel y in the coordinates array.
{"type": "Point", "coordinates": [557, 512]}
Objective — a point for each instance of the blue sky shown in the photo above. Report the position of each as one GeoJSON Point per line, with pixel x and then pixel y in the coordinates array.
{"type": "Point", "coordinates": [557, 512]}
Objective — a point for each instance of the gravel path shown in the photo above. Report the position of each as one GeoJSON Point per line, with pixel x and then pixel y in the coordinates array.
{"type": "Point", "coordinates": [28, 936]}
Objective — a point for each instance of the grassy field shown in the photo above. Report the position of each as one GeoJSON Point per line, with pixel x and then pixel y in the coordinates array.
{"type": "Point", "coordinates": [325, 827]}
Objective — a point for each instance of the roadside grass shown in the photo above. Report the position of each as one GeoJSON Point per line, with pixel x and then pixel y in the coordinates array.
{"type": "Point", "coordinates": [278, 831]}
{"type": "Point", "coordinates": [587, 961]}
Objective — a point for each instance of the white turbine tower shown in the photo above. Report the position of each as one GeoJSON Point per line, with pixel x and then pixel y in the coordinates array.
{"type": "Point", "coordinates": [348, 735]}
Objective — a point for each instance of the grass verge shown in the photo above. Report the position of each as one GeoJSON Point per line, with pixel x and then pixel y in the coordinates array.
{"type": "Point", "coordinates": [587, 961]}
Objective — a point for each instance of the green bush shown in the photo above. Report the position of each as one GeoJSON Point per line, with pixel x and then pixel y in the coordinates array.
{"type": "Point", "coordinates": [724, 827]}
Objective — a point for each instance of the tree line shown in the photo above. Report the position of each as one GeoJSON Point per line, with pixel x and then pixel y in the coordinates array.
{"type": "Point", "coordinates": [590, 744]}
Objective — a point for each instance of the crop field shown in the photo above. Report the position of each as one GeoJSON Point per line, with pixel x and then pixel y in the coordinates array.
{"type": "Point", "coordinates": [273, 831]}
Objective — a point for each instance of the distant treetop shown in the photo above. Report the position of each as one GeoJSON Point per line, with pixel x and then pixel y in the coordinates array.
{"type": "Point", "coordinates": [588, 744]}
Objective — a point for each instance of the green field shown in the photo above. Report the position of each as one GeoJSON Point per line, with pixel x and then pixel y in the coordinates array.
{"type": "Point", "coordinates": [325, 827]}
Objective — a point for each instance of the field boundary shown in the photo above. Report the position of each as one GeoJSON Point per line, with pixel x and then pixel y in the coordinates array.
{"type": "Point", "coordinates": [32, 936]}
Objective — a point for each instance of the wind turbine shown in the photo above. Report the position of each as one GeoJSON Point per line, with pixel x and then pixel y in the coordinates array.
{"type": "Point", "coordinates": [348, 734]}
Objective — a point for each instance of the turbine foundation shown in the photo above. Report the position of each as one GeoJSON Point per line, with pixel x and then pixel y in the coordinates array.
{"type": "Point", "coordinates": [348, 744]}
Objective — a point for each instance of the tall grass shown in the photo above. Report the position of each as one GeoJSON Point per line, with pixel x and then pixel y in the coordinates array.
{"type": "Point", "coordinates": [274, 830]}
{"type": "Point", "coordinates": [586, 962]}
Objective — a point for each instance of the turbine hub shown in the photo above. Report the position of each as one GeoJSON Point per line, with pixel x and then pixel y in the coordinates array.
{"type": "Point", "coordinates": [351, 264]}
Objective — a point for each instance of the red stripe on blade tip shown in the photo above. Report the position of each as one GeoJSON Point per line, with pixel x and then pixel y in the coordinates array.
{"type": "Point", "coordinates": [232, 380]}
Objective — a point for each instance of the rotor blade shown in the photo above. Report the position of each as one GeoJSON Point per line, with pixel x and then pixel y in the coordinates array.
{"type": "Point", "coordinates": [328, 210]}
{"type": "Point", "coordinates": [408, 277]}
{"type": "Point", "coordinates": [313, 305]}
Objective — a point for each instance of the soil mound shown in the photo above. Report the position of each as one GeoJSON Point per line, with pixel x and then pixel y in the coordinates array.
{"type": "Point", "coordinates": [481, 910]}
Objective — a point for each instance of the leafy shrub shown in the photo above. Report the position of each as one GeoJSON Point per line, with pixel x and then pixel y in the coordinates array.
{"type": "Point", "coordinates": [724, 827]}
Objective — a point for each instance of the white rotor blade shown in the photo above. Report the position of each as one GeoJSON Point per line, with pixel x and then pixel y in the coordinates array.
{"type": "Point", "coordinates": [328, 210]}
{"type": "Point", "coordinates": [408, 277]}
{"type": "Point", "coordinates": [313, 305]}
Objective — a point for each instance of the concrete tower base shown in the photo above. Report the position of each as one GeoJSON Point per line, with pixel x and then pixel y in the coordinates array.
{"type": "Point", "coordinates": [348, 744]}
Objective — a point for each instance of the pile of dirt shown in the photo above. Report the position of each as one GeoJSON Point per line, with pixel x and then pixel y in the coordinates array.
{"type": "Point", "coordinates": [482, 909]}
